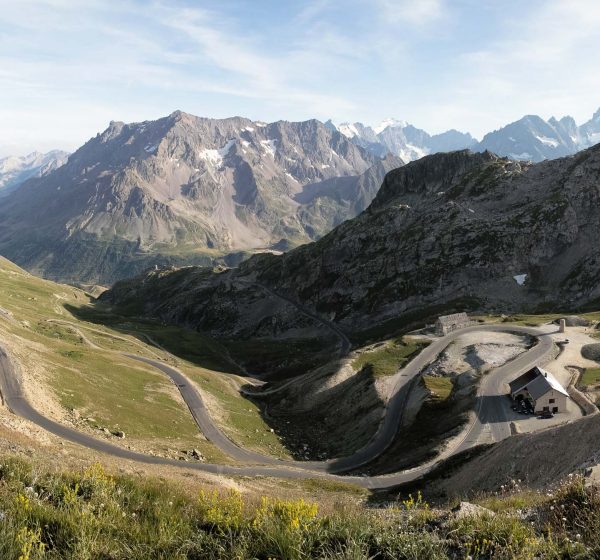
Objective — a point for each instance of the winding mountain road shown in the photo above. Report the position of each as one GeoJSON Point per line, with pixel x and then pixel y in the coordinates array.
{"type": "Point", "coordinates": [14, 398]}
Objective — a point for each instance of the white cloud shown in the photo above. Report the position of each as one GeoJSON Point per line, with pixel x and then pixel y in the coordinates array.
{"type": "Point", "coordinates": [413, 12]}
{"type": "Point", "coordinates": [67, 67]}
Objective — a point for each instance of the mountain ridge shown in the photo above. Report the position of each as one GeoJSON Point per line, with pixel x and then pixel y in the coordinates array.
{"type": "Point", "coordinates": [449, 231]}
{"type": "Point", "coordinates": [528, 138]}
{"type": "Point", "coordinates": [188, 188]}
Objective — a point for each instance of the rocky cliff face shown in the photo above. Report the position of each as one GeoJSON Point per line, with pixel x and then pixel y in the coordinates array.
{"type": "Point", "coordinates": [186, 189]}
{"type": "Point", "coordinates": [450, 231]}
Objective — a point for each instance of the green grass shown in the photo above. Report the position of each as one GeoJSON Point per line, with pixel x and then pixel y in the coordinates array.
{"type": "Point", "coordinates": [591, 376]}
{"type": "Point", "coordinates": [121, 394]}
{"type": "Point", "coordinates": [521, 500]}
{"type": "Point", "coordinates": [316, 485]}
{"type": "Point", "coordinates": [92, 514]}
{"type": "Point", "coordinates": [532, 319]}
{"type": "Point", "coordinates": [242, 420]}
{"type": "Point", "coordinates": [388, 358]}
{"type": "Point", "coordinates": [239, 417]}
{"type": "Point", "coordinates": [116, 392]}
{"type": "Point", "coordinates": [439, 387]}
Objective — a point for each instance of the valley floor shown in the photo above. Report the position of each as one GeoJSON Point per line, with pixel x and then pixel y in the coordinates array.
{"type": "Point", "coordinates": [107, 380]}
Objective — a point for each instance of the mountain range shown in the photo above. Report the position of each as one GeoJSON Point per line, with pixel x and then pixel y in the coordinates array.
{"type": "Point", "coordinates": [451, 231]}
{"type": "Point", "coordinates": [529, 138]}
{"type": "Point", "coordinates": [15, 170]}
{"type": "Point", "coordinates": [186, 189]}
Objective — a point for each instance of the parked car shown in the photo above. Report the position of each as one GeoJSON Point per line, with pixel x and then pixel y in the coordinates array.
{"type": "Point", "coordinates": [547, 414]}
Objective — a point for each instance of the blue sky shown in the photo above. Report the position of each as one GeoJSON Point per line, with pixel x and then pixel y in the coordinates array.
{"type": "Point", "coordinates": [68, 67]}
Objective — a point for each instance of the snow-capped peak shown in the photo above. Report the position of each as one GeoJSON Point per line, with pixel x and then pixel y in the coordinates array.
{"type": "Point", "coordinates": [389, 123]}
{"type": "Point", "coordinates": [348, 130]}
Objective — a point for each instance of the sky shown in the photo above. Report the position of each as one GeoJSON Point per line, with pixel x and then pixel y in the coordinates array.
{"type": "Point", "coordinates": [69, 67]}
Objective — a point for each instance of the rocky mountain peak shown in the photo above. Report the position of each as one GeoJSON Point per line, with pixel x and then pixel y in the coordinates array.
{"type": "Point", "coordinates": [193, 187]}
{"type": "Point", "coordinates": [446, 233]}
{"type": "Point", "coordinates": [430, 176]}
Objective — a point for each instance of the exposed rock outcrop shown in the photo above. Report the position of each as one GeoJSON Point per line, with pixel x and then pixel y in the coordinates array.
{"type": "Point", "coordinates": [448, 232]}
{"type": "Point", "coordinates": [186, 190]}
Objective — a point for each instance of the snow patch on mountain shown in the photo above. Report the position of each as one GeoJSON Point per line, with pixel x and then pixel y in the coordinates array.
{"type": "Point", "coordinates": [215, 157]}
{"type": "Point", "coordinates": [270, 146]}
{"type": "Point", "coordinates": [548, 141]}
{"type": "Point", "coordinates": [389, 123]}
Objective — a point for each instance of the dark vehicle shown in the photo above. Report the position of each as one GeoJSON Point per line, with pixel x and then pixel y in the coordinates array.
{"type": "Point", "coordinates": [529, 407]}
{"type": "Point", "coordinates": [547, 414]}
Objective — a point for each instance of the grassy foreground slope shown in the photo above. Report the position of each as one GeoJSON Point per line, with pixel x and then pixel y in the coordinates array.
{"type": "Point", "coordinates": [93, 386]}
{"type": "Point", "coordinates": [92, 514]}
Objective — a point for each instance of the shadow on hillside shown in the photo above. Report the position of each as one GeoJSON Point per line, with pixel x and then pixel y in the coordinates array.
{"type": "Point", "coordinates": [418, 443]}
{"type": "Point", "coordinates": [320, 422]}
{"type": "Point", "coordinates": [260, 358]}
{"type": "Point", "coordinates": [183, 343]}
{"type": "Point", "coordinates": [428, 485]}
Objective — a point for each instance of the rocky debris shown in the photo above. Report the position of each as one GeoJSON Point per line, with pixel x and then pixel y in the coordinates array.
{"type": "Point", "coordinates": [192, 454]}
{"type": "Point", "coordinates": [75, 414]}
{"type": "Point", "coordinates": [537, 460]}
{"type": "Point", "coordinates": [591, 351]}
{"type": "Point", "coordinates": [111, 433]}
{"type": "Point", "coordinates": [467, 509]}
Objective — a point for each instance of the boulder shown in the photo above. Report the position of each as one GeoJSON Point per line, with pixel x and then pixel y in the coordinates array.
{"type": "Point", "coordinates": [574, 321]}
{"type": "Point", "coordinates": [118, 433]}
{"type": "Point", "coordinates": [591, 351]}
{"type": "Point", "coordinates": [196, 455]}
{"type": "Point", "coordinates": [467, 509]}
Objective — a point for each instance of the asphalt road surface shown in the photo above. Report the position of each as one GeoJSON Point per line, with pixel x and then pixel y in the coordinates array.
{"type": "Point", "coordinates": [491, 387]}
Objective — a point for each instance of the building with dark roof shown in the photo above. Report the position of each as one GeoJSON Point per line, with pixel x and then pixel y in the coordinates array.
{"type": "Point", "coordinates": [541, 389]}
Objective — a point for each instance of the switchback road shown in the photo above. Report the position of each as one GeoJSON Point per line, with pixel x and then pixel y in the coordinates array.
{"type": "Point", "coordinates": [14, 398]}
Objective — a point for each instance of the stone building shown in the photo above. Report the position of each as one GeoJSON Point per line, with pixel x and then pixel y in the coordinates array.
{"type": "Point", "coordinates": [541, 389]}
{"type": "Point", "coordinates": [448, 323]}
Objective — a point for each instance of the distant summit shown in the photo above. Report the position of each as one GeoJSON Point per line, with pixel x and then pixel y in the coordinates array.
{"type": "Point", "coordinates": [403, 139]}
{"type": "Point", "coordinates": [530, 138]}
{"type": "Point", "coordinates": [15, 170]}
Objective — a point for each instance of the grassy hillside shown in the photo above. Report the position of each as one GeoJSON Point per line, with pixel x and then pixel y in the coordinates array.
{"type": "Point", "coordinates": [74, 369]}
{"type": "Point", "coordinates": [93, 514]}
{"type": "Point", "coordinates": [387, 358]}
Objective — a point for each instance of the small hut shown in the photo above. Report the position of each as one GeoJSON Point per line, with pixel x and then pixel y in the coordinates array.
{"type": "Point", "coordinates": [448, 323]}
